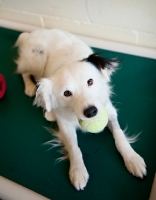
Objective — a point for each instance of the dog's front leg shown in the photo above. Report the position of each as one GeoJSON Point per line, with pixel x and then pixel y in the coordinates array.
{"type": "Point", "coordinates": [30, 88]}
{"type": "Point", "coordinates": [134, 162]}
{"type": "Point", "coordinates": [77, 173]}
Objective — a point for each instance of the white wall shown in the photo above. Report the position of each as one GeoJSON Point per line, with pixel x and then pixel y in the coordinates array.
{"type": "Point", "coordinates": [127, 21]}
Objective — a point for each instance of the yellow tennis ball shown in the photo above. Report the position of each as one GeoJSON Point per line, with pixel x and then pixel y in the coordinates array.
{"type": "Point", "coordinates": [95, 124]}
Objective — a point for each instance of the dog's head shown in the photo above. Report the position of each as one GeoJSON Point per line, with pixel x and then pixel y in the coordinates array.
{"type": "Point", "coordinates": [81, 86]}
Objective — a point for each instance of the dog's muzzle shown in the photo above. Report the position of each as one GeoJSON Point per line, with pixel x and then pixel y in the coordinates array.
{"type": "Point", "coordinates": [90, 111]}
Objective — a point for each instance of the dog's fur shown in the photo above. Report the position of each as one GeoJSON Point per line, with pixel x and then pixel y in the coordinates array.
{"type": "Point", "coordinates": [72, 81]}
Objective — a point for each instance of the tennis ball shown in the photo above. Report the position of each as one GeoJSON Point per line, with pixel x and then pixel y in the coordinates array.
{"type": "Point", "coordinates": [95, 124]}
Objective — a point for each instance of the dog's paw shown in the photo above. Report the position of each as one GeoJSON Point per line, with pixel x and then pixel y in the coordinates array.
{"type": "Point", "coordinates": [50, 116]}
{"type": "Point", "coordinates": [30, 89]}
{"type": "Point", "coordinates": [136, 165]}
{"type": "Point", "coordinates": [79, 176]}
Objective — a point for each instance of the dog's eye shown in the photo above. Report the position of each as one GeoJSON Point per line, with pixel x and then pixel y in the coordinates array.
{"type": "Point", "coordinates": [90, 82]}
{"type": "Point", "coordinates": [67, 93]}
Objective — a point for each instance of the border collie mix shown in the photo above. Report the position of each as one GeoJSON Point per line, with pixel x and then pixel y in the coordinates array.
{"type": "Point", "coordinates": [73, 83]}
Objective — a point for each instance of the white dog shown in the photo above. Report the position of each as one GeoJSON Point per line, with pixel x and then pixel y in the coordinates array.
{"type": "Point", "coordinates": [73, 83]}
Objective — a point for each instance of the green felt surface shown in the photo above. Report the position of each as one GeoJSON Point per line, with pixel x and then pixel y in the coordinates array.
{"type": "Point", "coordinates": [25, 160]}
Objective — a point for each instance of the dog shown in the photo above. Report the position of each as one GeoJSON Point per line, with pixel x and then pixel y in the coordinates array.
{"type": "Point", "coordinates": [73, 83]}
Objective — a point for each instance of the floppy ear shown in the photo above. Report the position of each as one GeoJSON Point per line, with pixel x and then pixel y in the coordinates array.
{"type": "Point", "coordinates": [44, 96]}
{"type": "Point", "coordinates": [106, 66]}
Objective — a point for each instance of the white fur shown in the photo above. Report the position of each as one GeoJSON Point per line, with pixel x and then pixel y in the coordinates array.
{"type": "Point", "coordinates": [54, 58]}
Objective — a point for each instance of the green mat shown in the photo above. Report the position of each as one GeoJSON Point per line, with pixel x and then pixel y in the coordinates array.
{"type": "Point", "coordinates": [25, 160]}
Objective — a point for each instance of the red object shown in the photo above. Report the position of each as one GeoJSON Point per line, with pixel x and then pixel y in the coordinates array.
{"type": "Point", "coordinates": [2, 86]}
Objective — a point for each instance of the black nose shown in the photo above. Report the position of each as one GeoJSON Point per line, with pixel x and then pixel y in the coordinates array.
{"type": "Point", "coordinates": [90, 112]}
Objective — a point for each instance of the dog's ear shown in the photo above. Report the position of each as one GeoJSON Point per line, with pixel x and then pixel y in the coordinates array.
{"type": "Point", "coordinates": [44, 95]}
{"type": "Point", "coordinates": [106, 66]}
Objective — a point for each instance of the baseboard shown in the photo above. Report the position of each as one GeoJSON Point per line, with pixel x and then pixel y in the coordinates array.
{"type": "Point", "coordinates": [10, 190]}
{"type": "Point", "coordinates": [93, 42]}
{"type": "Point", "coordinates": [153, 191]}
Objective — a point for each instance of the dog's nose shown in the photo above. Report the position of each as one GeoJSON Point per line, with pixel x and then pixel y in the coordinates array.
{"type": "Point", "coordinates": [90, 112]}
